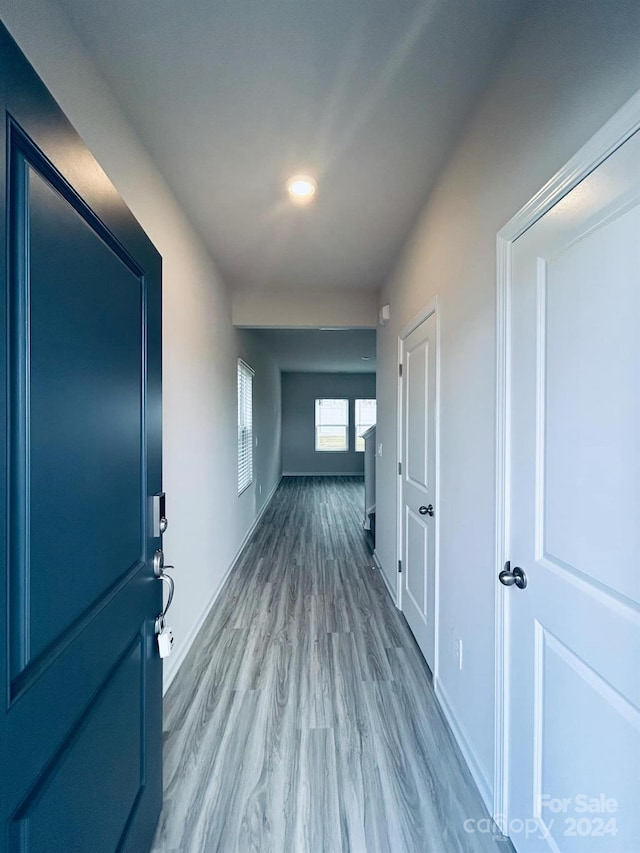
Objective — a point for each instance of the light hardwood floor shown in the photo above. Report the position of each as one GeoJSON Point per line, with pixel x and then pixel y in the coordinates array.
{"type": "Point", "coordinates": [303, 719]}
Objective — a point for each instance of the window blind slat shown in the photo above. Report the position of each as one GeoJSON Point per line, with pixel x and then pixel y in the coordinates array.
{"type": "Point", "coordinates": [245, 425]}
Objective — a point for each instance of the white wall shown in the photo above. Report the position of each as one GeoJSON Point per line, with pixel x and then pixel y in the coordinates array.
{"type": "Point", "coordinates": [572, 65]}
{"type": "Point", "coordinates": [305, 308]}
{"type": "Point", "coordinates": [206, 522]}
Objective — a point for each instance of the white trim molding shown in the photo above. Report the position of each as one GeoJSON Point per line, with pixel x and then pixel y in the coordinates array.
{"type": "Point", "coordinates": [433, 307]}
{"type": "Point", "coordinates": [465, 744]}
{"type": "Point", "coordinates": [376, 560]}
{"type": "Point", "coordinates": [183, 649]}
{"type": "Point", "coordinates": [615, 133]}
{"type": "Point", "coordinates": [324, 473]}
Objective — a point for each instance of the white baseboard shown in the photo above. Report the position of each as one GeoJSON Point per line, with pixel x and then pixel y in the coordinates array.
{"type": "Point", "coordinates": [392, 592]}
{"type": "Point", "coordinates": [170, 674]}
{"type": "Point", "coordinates": [323, 474]}
{"type": "Point", "coordinates": [468, 752]}
{"type": "Point", "coordinates": [177, 659]}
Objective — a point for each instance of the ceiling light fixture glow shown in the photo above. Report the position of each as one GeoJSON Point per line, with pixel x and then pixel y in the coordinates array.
{"type": "Point", "coordinates": [302, 188]}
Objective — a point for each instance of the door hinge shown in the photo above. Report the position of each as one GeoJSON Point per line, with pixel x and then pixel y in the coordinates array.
{"type": "Point", "coordinates": [399, 467]}
{"type": "Point", "coordinates": [399, 370]}
{"type": "Point", "coordinates": [400, 566]}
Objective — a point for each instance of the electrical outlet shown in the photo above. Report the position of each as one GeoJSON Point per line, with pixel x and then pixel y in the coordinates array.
{"type": "Point", "coordinates": [380, 450]}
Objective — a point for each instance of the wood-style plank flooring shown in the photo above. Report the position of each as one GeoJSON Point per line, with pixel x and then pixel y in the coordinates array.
{"type": "Point", "coordinates": [303, 719]}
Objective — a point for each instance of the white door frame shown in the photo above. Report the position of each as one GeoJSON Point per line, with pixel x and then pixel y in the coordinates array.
{"type": "Point", "coordinates": [610, 137]}
{"type": "Point", "coordinates": [431, 308]}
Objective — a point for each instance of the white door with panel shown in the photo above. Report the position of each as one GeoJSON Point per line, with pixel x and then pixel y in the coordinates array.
{"type": "Point", "coordinates": [418, 478]}
{"type": "Point", "coordinates": [574, 629]}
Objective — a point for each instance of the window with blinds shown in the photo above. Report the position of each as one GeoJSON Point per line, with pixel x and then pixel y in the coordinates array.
{"type": "Point", "coordinates": [332, 425]}
{"type": "Point", "coordinates": [245, 426]}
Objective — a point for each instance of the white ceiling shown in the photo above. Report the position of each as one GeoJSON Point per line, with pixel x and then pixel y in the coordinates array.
{"type": "Point", "coordinates": [315, 351]}
{"type": "Point", "coordinates": [231, 97]}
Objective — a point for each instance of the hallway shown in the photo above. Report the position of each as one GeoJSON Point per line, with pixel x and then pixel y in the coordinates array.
{"type": "Point", "coordinates": [303, 718]}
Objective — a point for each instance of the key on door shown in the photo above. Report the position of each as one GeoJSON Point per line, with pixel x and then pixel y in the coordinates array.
{"type": "Point", "coordinates": [165, 640]}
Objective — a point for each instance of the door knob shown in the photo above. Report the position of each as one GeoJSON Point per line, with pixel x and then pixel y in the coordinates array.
{"type": "Point", "coordinates": [521, 578]}
{"type": "Point", "coordinates": [509, 578]}
{"type": "Point", "coordinates": [158, 564]}
{"type": "Point", "coordinates": [159, 570]}
{"type": "Point", "coordinates": [426, 510]}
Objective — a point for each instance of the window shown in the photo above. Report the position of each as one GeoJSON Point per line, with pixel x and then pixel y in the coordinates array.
{"type": "Point", "coordinates": [365, 418]}
{"type": "Point", "coordinates": [245, 426]}
{"type": "Point", "coordinates": [332, 425]}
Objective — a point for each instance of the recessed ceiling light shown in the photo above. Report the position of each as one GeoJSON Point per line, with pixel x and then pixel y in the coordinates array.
{"type": "Point", "coordinates": [302, 188]}
{"type": "Point", "coordinates": [365, 358]}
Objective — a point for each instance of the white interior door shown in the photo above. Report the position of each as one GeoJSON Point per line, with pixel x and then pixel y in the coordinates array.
{"type": "Point", "coordinates": [574, 631]}
{"type": "Point", "coordinates": [418, 479]}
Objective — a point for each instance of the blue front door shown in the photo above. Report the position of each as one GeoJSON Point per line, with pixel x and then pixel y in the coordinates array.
{"type": "Point", "coordinates": [80, 355]}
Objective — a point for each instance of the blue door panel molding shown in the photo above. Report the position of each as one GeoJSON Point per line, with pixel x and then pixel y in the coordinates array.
{"type": "Point", "coordinates": [80, 458]}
